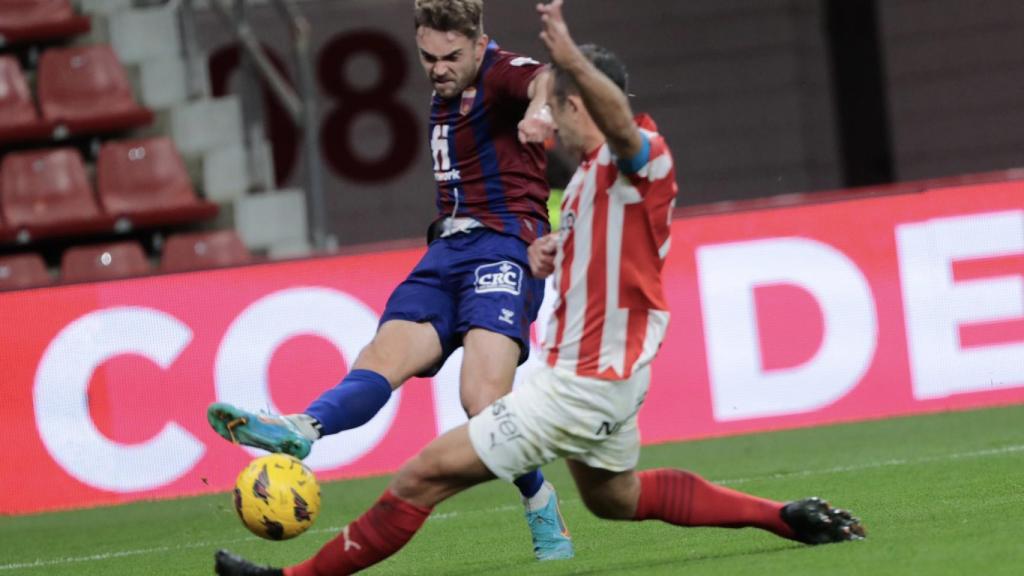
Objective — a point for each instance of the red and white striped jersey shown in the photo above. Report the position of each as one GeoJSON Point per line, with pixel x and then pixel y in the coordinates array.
{"type": "Point", "coordinates": [611, 315]}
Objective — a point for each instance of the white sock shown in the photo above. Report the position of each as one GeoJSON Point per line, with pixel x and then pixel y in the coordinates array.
{"type": "Point", "coordinates": [540, 499]}
{"type": "Point", "coordinates": [305, 425]}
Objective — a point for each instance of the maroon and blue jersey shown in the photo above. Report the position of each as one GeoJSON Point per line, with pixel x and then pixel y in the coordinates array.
{"type": "Point", "coordinates": [481, 168]}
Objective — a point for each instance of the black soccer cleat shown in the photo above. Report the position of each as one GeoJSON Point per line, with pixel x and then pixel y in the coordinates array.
{"type": "Point", "coordinates": [815, 522]}
{"type": "Point", "coordinates": [227, 564]}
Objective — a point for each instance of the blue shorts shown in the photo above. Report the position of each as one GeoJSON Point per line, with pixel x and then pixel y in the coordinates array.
{"type": "Point", "coordinates": [477, 279]}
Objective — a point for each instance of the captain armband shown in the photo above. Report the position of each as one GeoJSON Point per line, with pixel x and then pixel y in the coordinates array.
{"type": "Point", "coordinates": [637, 162]}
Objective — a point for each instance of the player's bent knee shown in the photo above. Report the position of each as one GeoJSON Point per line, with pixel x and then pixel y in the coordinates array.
{"type": "Point", "coordinates": [483, 394]}
{"type": "Point", "coordinates": [378, 358]}
{"type": "Point", "coordinates": [608, 507]}
{"type": "Point", "coordinates": [609, 512]}
{"type": "Point", "coordinates": [476, 406]}
{"type": "Point", "coordinates": [373, 357]}
{"type": "Point", "coordinates": [416, 479]}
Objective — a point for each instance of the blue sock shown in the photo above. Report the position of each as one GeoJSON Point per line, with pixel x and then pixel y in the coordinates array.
{"type": "Point", "coordinates": [351, 403]}
{"type": "Point", "coordinates": [530, 483]}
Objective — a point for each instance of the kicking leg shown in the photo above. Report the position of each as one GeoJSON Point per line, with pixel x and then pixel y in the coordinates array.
{"type": "Point", "coordinates": [399, 351]}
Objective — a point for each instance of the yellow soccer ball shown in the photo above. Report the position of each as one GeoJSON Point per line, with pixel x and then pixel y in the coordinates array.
{"type": "Point", "coordinates": [277, 497]}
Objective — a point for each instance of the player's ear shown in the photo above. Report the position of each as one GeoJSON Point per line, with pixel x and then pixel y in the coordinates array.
{"type": "Point", "coordinates": [575, 103]}
{"type": "Point", "coordinates": [481, 45]}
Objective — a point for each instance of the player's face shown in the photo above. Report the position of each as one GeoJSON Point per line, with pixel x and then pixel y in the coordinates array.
{"type": "Point", "coordinates": [450, 59]}
{"type": "Point", "coordinates": [567, 118]}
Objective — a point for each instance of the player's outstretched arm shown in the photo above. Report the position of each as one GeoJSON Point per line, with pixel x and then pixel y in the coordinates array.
{"type": "Point", "coordinates": [606, 103]}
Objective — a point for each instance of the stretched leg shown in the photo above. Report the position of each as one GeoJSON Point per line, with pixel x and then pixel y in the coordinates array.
{"type": "Point", "coordinates": [488, 370]}
{"type": "Point", "coordinates": [685, 499]}
{"type": "Point", "coordinates": [416, 323]}
{"type": "Point", "coordinates": [399, 350]}
{"type": "Point", "coordinates": [447, 466]}
{"type": "Point", "coordinates": [415, 329]}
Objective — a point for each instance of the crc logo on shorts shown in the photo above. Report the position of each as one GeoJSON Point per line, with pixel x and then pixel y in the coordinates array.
{"type": "Point", "coordinates": [499, 277]}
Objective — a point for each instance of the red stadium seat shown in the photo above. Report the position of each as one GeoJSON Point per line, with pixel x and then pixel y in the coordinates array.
{"type": "Point", "coordinates": [103, 262]}
{"type": "Point", "coordinates": [23, 271]}
{"type": "Point", "coordinates": [23, 21]}
{"type": "Point", "coordinates": [47, 193]}
{"type": "Point", "coordinates": [85, 90]}
{"type": "Point", "coordinates": [19, 119]}
{"type": "Point", "coordinates": [146, 182]}
{"type": "Point", "coordinates": [195, 251]}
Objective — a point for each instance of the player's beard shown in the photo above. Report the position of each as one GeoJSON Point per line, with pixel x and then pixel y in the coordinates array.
{"type": "Point", "coordinates": [455, 85]}
{"type": "Point", "coordinates": [448, 89]}
{"type": "Point", "coordinates": [445, 89]}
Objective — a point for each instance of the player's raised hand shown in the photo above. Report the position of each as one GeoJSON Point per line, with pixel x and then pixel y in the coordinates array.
{"type": "Point", "coordinates": [555, 35]}
{"type": "Point", "coordinates": [542, 256]}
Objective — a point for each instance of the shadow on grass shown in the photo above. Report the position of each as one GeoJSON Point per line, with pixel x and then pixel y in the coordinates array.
{"type": "Point", "coordinates": [637, 566]}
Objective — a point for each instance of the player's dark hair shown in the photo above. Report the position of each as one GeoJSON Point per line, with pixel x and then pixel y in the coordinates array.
{"type": "Point", "coordinates": [604, 60]}
{"type": "Point", "coordinates": [463, 16]}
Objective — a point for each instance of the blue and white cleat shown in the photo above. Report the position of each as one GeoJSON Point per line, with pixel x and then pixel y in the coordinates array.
{"type": "Point", "coordinates": [267, 432]}
{"type": "Point", "coordinates": [551, 540]}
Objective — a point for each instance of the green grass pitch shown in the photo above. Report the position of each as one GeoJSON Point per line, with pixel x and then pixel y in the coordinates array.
{"type": "Point", "coordinates": [939, 494]}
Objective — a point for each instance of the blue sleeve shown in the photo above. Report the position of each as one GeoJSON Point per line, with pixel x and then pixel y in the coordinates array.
{"type": "Point", "coordinates": [633, 165]}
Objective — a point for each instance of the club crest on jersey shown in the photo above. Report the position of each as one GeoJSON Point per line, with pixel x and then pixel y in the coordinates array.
{"type": "Point", "coordinates": [568, 223]}
{"type": "Point", "coordinates": [499, 277]}
{"type": "Point", "coordinates": [468, 99]}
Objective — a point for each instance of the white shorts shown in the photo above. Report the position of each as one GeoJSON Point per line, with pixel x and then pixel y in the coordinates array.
{"type": "Point", "coordinates": [554, 414]}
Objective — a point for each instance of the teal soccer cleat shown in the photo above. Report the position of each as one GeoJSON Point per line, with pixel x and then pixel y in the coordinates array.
{"type": "Point", "coordinates": [551, 540]}
{"type": "Point", "coordinates": [264, 431]}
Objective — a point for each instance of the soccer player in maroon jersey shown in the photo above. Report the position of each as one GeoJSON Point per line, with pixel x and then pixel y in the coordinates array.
{"type": "Point", "coordinates": [566, 409]}
{"type": "Point", "coordinates": [473, 288]}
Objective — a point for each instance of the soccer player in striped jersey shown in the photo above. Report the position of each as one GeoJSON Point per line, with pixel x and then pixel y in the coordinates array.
{"type": "Point", "coordinates": [609, 321]}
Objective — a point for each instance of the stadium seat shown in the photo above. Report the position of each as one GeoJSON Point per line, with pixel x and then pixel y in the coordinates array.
{"type": "Point", "coordinates": [85, 90]}
{"type": "Point", "coordinates": [23, 271]}
{"type": "Point", "coordinates": [47, 193]}
{"type": "Point", "coordinates": [195, 251]}
{"type": "Point", "coordinates": [146, 182]}
{"type": "Point", "coordinates": [23, 21]}
{"type": "Point", "coordinates": [103, 262]}
{"type": "Point", "coordinates": [19, 119]}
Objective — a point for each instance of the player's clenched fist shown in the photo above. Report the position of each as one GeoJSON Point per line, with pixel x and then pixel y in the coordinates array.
{"type": "Point", "coordinates": [538, 126]}
{"type": "Point", "coordinates": [542, 255]}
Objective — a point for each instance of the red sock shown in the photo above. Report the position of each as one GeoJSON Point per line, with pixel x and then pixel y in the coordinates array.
{"type": "Point", "coordinates": [377, 534]}
{"type": "Point", "coordinates": [685, 499]}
